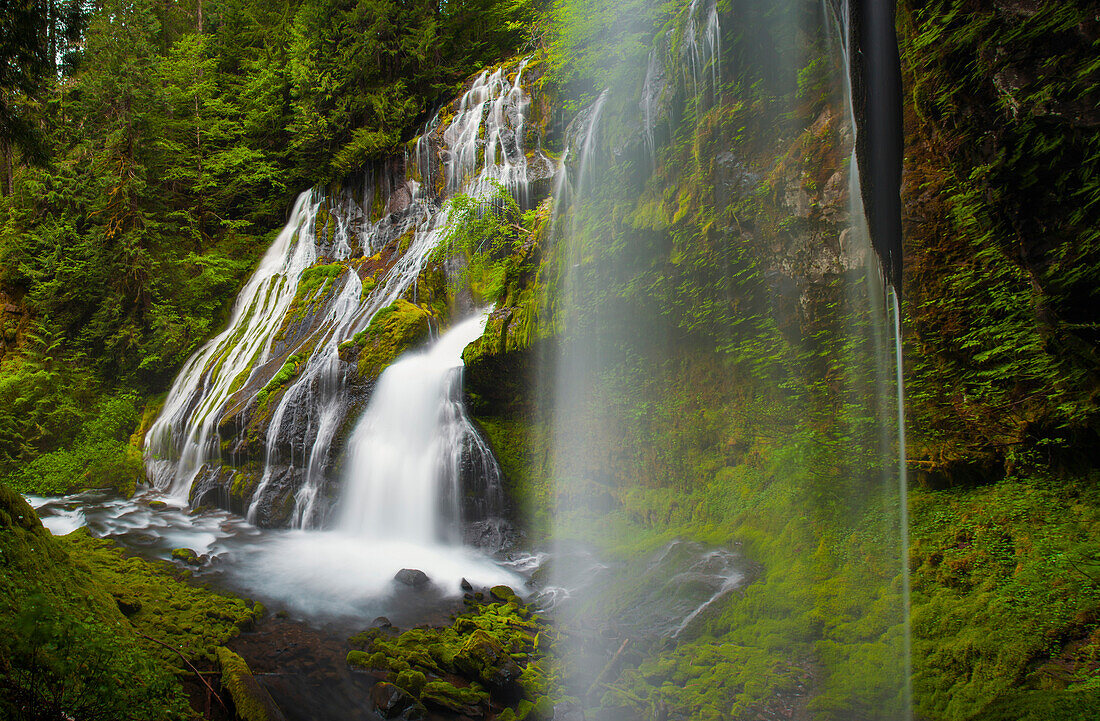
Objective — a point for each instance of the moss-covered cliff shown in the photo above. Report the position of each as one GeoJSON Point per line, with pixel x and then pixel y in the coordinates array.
{"type": "Point", "coordinates": [86, 633]}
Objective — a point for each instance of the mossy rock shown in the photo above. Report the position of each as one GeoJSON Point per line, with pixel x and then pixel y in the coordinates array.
{"type": "Point", "coordinates": [188, 556]}
{"type": "Point", "coordinates": [393, 330]}
{"type": "Point", "coordinates": [503, 593]}
{"type": "Point", "coordinates": [462, 700]}
{"type": "Point", "coordinates": [484, 658]}
{"type": "Point", "coordinates": [412, 681]}
{"type": "Point", "coordinates": [359, 659]}
{"type": "Point", "coordinates": [250, 699]}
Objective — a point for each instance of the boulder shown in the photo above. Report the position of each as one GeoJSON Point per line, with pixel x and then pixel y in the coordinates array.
{"type": "Point", "coordinates": [467, 700]}
{"type": "Point", "coordinates": [390, 700]}
{"type": "Point", "coordinates": [483, 658]}
{"type": "Point", "coordinates": [186, 555]}
{"type": "Point", "coordinates": [412, 577]}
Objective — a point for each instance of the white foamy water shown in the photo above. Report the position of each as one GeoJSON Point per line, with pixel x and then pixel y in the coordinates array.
{"type": "Point", "coordinates": [403, 476]}
{"type": "Point", "coordinates": [317, 576]}
{"type": "Point", "coordinates": [335, 574]}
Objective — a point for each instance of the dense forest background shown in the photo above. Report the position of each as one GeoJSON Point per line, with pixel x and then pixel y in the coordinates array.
{"type": "Point", "coordinates": [149, 151]}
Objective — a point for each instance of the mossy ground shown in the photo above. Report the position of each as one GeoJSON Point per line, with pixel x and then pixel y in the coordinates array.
{"type": "Point", "coordinates": [494, 656]}
{"type": "Point", "coordinates": [64, 642]}
{"type": "Point", "coordinates": [1006, 595]}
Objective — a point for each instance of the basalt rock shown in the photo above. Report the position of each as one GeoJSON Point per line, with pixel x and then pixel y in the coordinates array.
{"type": "Point", "coordinates": [412, 577]}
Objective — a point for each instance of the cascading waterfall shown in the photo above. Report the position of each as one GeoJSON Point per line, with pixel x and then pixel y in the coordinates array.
{"type": "Point", "coordinates": [748, 390]}
{"type": "Point", "coordinates": [257, 415]}
{"type": "Point", "coordinates": [408, 449]}
{"type": "Point", "coordinates": [182, 438]}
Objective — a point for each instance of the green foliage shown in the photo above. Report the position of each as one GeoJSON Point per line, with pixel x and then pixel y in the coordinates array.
{"type": "Point", "coordinates": [484, 231]}
{"type": "Point", "coordinates": [364, 72]}
{"type": "Point", "coordinates": [1004, 277]}
{"type": "Point", "coordinates": [173, 143]}
{"type": "Point", "coordinates": [58, 666]}
{"type": "Point", "coordinates": [101, 456]}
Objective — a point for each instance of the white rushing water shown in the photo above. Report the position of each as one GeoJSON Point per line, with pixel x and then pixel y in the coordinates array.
{"type": "Point", "coordinates": [482, 145]}
{"type": "Point", "coordinates": [326, 576]}
{"type": "Point", "coordinates": [183, 438]}
{"type": "Point", "coordinates": [403, 473]}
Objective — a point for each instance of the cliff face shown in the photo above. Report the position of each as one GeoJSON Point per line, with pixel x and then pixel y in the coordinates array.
{"type": "Point", "coordinates": [1001, 206]}
{"type": "Point", "coordinates": [1002, 209]}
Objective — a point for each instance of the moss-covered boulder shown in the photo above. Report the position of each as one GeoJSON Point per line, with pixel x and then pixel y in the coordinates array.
{"type": "Point", "coordinates": [493, 656]}
{"type": "Point", "coordinates": [484, 658]}
{"type": "Point", "coordinates": [393, 330]}
{"type": "Point", "coordinates": [390, 700]}
{"type": "Point", "coordinates": [188, 556]}
{"type": "Point", "coordinates": [466, 700]}
{"type": "Point", "coordinates": [251, 701]}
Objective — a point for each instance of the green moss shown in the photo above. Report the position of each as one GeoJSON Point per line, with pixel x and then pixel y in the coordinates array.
{"type": "Point", "coordinates": [394, 329]}
{"type": "Point", "coordinates": [250, 699]}
{"type": "Point", "coordinates": [495, 648]}
{"type": "Point", "coordinates": [453, 698]}
{"type": "Point", "coordinates": [358, 659]}
{"type": "Point", "coordinates": [314, 286]}
{"type": "Point", "coordinates": [369, 284]}
{"type": "Point", "coordinates": [1004, 592]}
{"type": "Point", "coordinates": [186, 555]}
{"type": "Point", "coordinates": [287, 373]}
{"type": "Point", "coordinates": [64, 642]}
{"type": "Point", "coordinates": [190, 619]}
{"type": "Point", "coordinates": [1042, 706]}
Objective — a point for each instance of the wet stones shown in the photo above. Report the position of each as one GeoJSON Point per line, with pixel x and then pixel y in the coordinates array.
{"type": "Point", "coordinates": [390, 700]}
{"type": "Point", "coordinates": [412, 577]}
{"type": "Point", "coordinates": [188, 556]}
{"type": "Point", "coordinates": [488, 664]}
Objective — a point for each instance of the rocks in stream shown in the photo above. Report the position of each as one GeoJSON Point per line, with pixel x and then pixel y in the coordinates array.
{"type": "Point", "coordinates": [188, 556]}
{"type": "Point", "coordinates": [492, 657]}
{"type": "Point", "coordinates": [412, 577]}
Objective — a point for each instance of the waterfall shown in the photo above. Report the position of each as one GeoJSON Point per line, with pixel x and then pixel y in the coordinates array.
{"type": "Point", "coordinates": [726, 365]}
{"type": "Point", "coordinates": [407, 451]}
{"type": "Point", "coordinates": [182, 439]}
{"type": "Point", "coordinates": [257, 418]}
